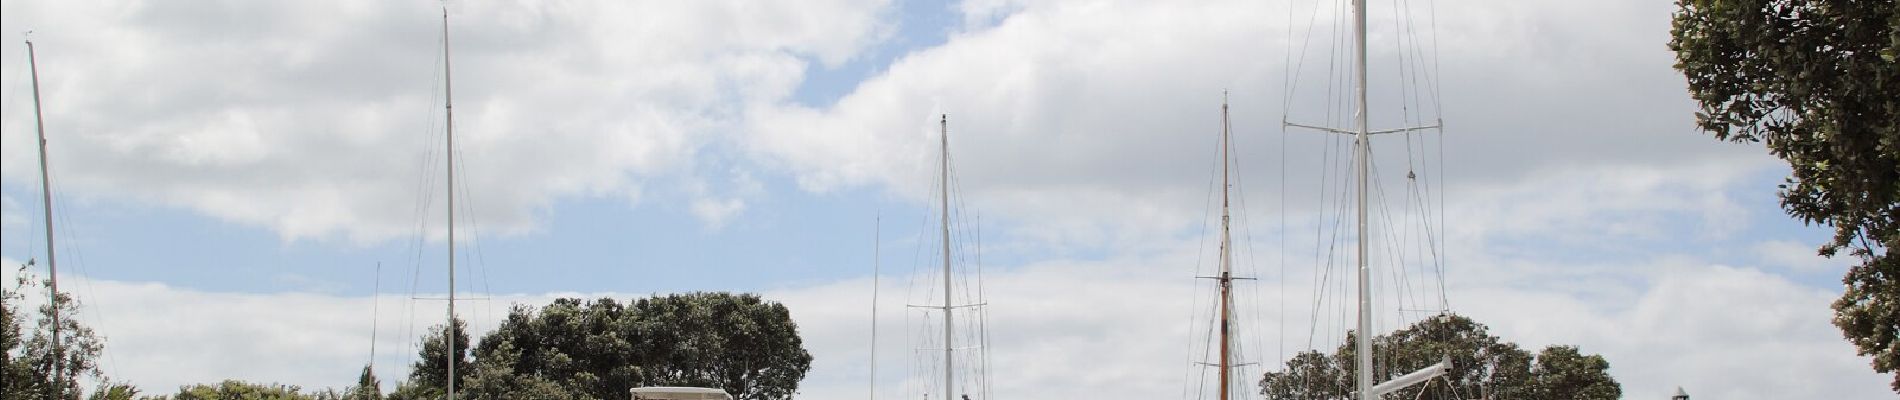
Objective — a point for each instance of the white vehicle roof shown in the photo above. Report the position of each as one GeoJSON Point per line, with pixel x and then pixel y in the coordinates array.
{"type": "Point", "coordinates": [678, 393]}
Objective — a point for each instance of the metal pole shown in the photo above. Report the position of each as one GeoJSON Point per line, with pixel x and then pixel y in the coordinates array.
{"type": "Point", "coordinates": [46, 197]}
{"type": "Point", "coordinates": [877, 237]}
{"type": "Point", "coordinates": [1364, 149]}
{"type": "Point", "coordinates": [1226, 253]}
{"type": "Point", "coordinates": [949, 374]}
{"type": "Point", "coordinates": [448, 109]}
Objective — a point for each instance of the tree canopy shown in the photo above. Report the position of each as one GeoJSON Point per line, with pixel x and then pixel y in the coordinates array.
{"type": "Point", "coordinates": [26, 356]}
{"type": "Point", "coordinates": [1816, 81]}
{"type": "Point", "coordinates": [428, 377]}
{"type": "Point", "coordinates": [1482, 367]}
{"type": "Point", "coordinates": [239, 390]}
{"type": "Point", "coordinates": [601, 348]}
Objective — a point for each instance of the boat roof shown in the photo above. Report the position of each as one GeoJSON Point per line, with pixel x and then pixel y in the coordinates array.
{"type": "Point", "coordinates": [676, 389]}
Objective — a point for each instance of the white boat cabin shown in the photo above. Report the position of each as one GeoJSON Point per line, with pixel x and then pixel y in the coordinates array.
{"type": "Point", "coordinates": [679, 393]}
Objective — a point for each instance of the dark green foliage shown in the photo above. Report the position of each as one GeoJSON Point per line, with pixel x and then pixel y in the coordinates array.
{"type": "Point", "coordinates": [26, 370]}
{"type": "Point", "coordinates": [495, 379]}
{"type": "Point", "coordinates": [1817, 81]}
{"type": "Point", "coordinates": [238, 390]}
{"type": "Point", "coordinates": [409, 391]}
{"type": "Point", "coordinates": [601, 348]}
{"type": "Point", "coordinates": [16, 372]}
{"type": "Point", "coordinates": [367, 386]}
{"type": "Point", "coordinates": [1562, 372]}
{"type": "Point", "coordinates": [429, 375]}
{"type": "Point", "coordinates": [1482, 367]}
{"type": "Point", "coordinates": [114, 391]}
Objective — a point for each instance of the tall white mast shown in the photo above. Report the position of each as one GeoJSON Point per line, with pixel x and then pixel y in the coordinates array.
{"type": "Point", "coordinates": [448, 110]}
{"type": "Point", "coordinates": [1362, 146]}
{"type": "Point", "coordinates": [46, 197]}
{"type": "Point", "coordinates": [949, 373]}
{"type": "Point", "coordinates": [1226, 279]}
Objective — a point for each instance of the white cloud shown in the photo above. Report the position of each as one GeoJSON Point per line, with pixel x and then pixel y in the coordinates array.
{"type": "Point", "coordinates": [1094, 122]}
{"type": "Point", "coordinates": [11, 215]}
{"type": "Point", "coordinates": [1799, 256]}
{"type": "Point", "coordinates": [1720, 331]}
{"type": "Point", "coordinates": [323, 120]}
{"type": "Point", "coordinates": [716, 212]}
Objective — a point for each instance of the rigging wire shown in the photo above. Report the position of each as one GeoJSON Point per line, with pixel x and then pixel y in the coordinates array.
{"type": "Point", "coordinates": [12, 98]}
{"type": "Point", "coordinates": [426, 178]}
{"type": "Point", "coordinates": [1194, 359]}
{"type": "Point", "coordinates": [77, 256]}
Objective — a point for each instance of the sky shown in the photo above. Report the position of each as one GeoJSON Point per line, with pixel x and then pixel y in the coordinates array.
{"type": "Point", "coordinates": [253, 190]}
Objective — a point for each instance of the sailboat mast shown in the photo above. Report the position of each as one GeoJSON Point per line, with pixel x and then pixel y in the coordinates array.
{"type": "Point", "coordinates": [448, 110]}
{"type": "Point", "coordinates": [1226, 253]}
{"type": "Point", "coordinates": [46, 197]}
{"type": "Point", "coordinates": [1363, 146]}
{"type": "Point", "coordinates": [877, 263]}
{"type": "Point", "coordinates": [949, 373]}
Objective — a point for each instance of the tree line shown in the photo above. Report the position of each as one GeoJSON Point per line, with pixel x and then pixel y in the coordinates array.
{"type": "Point", "coordinates": [569, 349]}
{"type": "Point", "coordinates": [1482, 367]}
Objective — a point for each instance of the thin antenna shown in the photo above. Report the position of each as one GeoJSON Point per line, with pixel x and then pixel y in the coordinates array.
{"type": "Point", "coordinates": [877, 236]}
{"type": "Point", "coordinates": [375, 301]}
{"type": "Point", "coordinates": [46, 193]}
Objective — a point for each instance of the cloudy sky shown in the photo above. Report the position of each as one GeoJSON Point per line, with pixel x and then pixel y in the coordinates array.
{"type": "Point", "coordinates": [252, 190]}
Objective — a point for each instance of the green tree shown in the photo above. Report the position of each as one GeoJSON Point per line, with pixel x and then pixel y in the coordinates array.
{"type": "Point", "coordinates": [238, 390]}
{"type": "Point", "coordinates": [601, 348]}
{"type": "Point", "coordinates": [1310, 375]}
{"type": "Point", "coordinates": [16, 372]}
{"type": "Point", "coordinates": [114, 391]}
{"type": "Point", "coordinates": [29, 361]}
{"type": "Point", "coordinates": [410, 391]}
{"type": "Point", "coordinates": [1816, 81]}
{"type": "Point", "coordinates": [429, 375]}
{"type": "Point", "coordinates": [1482, 366]}
{"type": "Point", "coordinates": [741, 343]}
{"type": "Point", "coordinates": [1563, 372]}
{"type": "Point", "coordinates": [495, 379]}
{"type": "Point", "coordinates": [367, 386]}
{"type": "Point", "coordinates": [587, 345]}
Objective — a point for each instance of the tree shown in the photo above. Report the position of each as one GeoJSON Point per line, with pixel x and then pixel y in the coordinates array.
{"type": "Point", "coordinates": [367, 386]}
{"type": "Point", "coordinates": [1481, 367]}
{"type": "Point", "coordinates": [740, 343]}
{"type": "Point", "coordinates": [238, 390]}
{"type": "Point", "coordinates": [16, 373]}
{"type": "Point", "coordinates": [114, 391]}
{"type": "Point", "coordinates": [1815, 80]}
{"type": "Point", "coordinates": [1562, 372]}
{"type": "Point", "coordinates": [27, 367]}
{"type": "Point", "coordinates": [429, 374]}
{"type": "Point", "coordinates": [601, 348]}
{"type": "Point", "coordinates": [495, 379]}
